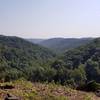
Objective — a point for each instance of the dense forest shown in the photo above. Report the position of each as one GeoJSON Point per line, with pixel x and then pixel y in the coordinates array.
{"type": "Point", "coordinates": [20, 58]}
{"type": "Point", "coordinates": [79, 65]}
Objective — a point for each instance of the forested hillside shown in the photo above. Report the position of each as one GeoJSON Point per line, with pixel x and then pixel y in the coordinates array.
{"type": "Point", "coordinates": [59, 45]}
{"type": "Point", "coordinates": [79, 66]}
{"type": "Point", "coordinates": [19, 58]}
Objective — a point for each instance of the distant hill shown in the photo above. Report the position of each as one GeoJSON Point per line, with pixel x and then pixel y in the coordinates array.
{"type": "Point", "coordinates": [18, 57]}
{"type": "Point", "coordinates": [36, 41]}
{"type": "Point", "coordinates": [61, 44]}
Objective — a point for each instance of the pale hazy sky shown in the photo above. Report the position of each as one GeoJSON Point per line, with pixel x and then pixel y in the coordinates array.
{"type": "Point", "coordinates": [50, 18]}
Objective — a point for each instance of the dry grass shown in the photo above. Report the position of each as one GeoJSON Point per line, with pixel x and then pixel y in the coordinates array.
{"type": "Point", "coordinates": [38, 91]}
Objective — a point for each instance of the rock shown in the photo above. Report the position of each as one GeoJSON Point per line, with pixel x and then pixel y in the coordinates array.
{"type": "Point", "coordinates": [11, 97]}
{"type": "Point", "coordinates": [97, 93]}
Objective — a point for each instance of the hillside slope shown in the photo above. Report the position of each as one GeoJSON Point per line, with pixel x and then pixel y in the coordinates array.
{"type": "Point", "coordinates": [18, 57]}
{"type": "Point", "coordinates": [80, 65]}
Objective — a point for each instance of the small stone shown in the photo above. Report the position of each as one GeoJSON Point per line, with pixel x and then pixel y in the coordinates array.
{"type": "Point", "coordinates": [11, 97]}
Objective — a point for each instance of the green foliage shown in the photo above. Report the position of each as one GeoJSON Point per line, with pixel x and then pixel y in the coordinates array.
{"type": "Point", "coordinates": [79, 76]}
{"type": "Point", "coordinates": [76, 67]}
{"type": "Point", "coordinates": [90, 86]}
{"type": "Point", "coordinates": [87, 97]}
{"type": "Point", "coordinates": [20, 58]}
{"type": "Point", "coordinates": [93, 70]}
{"type": "Point", "coordinates": [80, 65]}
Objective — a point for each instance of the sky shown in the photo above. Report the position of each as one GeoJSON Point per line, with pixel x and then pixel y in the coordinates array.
{"type": "Point", "coordinates": [50, 18]}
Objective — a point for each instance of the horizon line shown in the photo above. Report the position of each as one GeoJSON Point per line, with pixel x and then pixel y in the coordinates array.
{"type": "Point", "coordinates": [51, 37]}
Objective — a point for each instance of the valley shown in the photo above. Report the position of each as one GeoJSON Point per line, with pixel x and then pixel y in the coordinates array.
{"type": "Point", "coordinates": [38, 73]}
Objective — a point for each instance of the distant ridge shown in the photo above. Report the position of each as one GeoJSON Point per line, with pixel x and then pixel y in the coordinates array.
{"type": "Point", "coordinates": [61, 44]}
{"type": "Point", "coordinates": [36, 40]}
